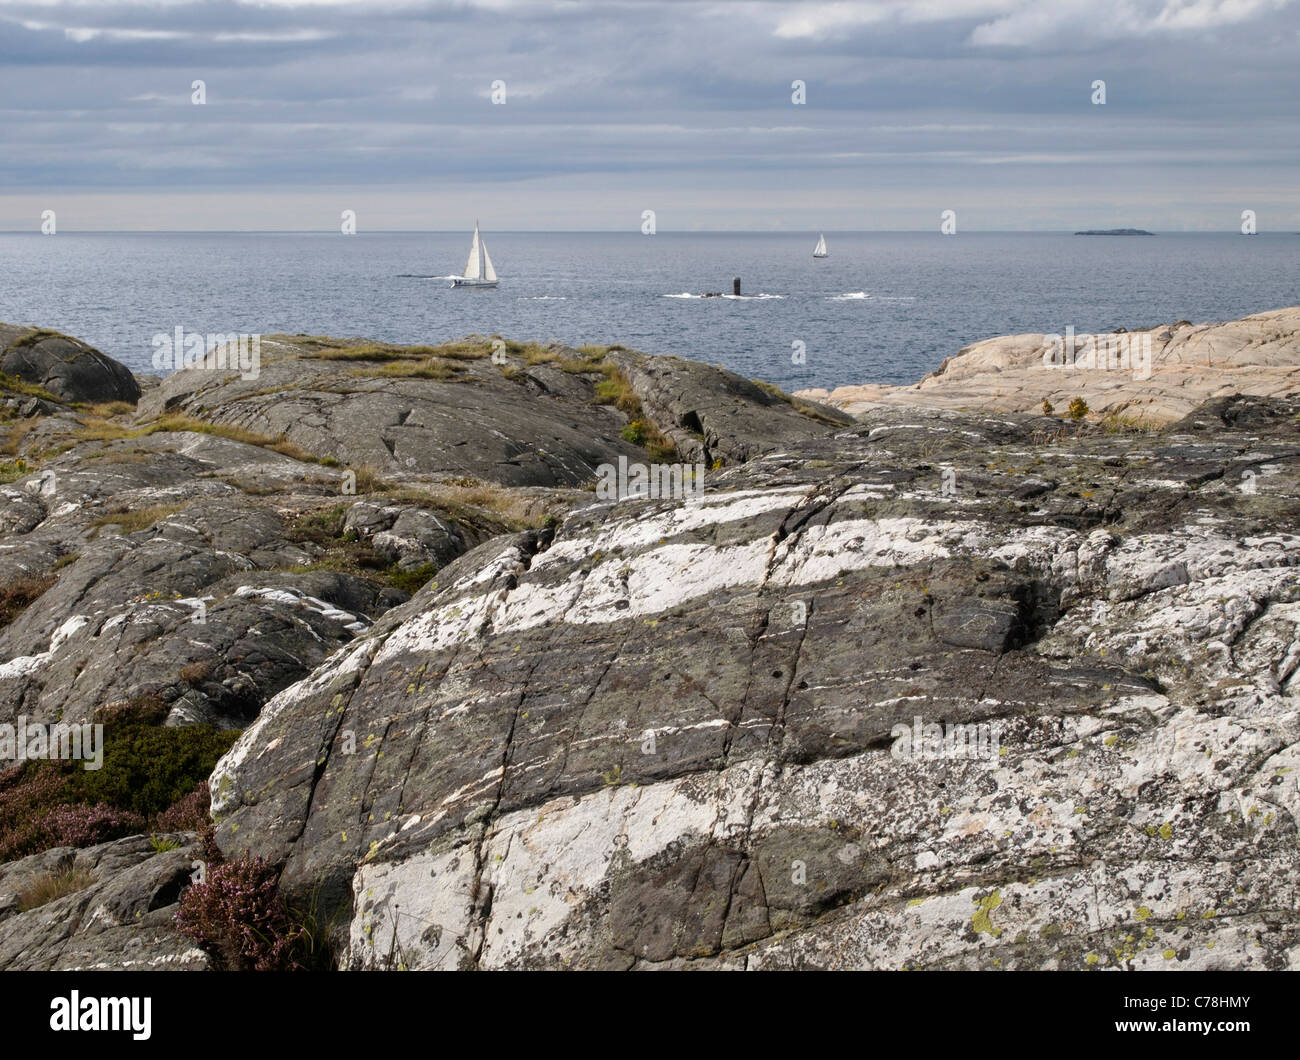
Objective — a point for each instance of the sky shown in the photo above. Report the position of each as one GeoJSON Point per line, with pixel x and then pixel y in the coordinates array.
{"type": "Point", "coordinates": [608, 109]}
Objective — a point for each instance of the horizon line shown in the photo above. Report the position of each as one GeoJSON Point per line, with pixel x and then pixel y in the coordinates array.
{"type": "Point", "coordinates": [632, 231]}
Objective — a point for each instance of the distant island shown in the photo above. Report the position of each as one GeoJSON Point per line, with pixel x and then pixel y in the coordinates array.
{"type": "Point", "coordinates": [1115, 232]}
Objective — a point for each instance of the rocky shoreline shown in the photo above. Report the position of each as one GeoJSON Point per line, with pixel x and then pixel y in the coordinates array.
{"type": "Point", "coordinates": [1148, 376]}
{"type": "Point", "coordinates": [463, 712]}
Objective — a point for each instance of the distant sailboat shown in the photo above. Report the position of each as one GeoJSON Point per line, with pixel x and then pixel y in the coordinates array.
{"type": "Point", "coordinates": [478, 270]}
{"type": "Point", "coordinates": [820, 251]}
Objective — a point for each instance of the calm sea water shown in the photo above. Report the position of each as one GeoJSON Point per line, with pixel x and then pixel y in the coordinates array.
{"type": "Point", "coordinates": [884, 307]}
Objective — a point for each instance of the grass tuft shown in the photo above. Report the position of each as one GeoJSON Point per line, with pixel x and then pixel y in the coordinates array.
{"type": "Point", "coordinates": [50, 886]}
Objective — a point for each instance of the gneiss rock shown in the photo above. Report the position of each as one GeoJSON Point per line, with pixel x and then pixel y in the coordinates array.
{"type": "Point", "coordinates": [120, 918]}
{"type": "Point", "coordinates": [664, 734]}
{"type": "Point", "coordinates": [1188, 365]}
{"type": "Point", "coordinates": [66, 367]}
{"type": "Point", "coordinates": [711, 414]}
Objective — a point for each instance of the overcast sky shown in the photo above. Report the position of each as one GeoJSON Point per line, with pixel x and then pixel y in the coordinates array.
{"type": "Point", "coordinates": [618, 106]}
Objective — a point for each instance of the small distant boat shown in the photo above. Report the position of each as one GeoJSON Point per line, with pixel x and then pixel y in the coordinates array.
{"type": "Point", "coordinates": [820, 251]}
{"type": "Point", "coordinates": [478, 270]}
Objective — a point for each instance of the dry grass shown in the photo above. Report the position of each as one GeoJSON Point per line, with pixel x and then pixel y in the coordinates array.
{"type": "Point", "coordinates": [17, 595]}
{"type": "Point", "coordinates": [772, 390]}
{"type": "Point", "coordinates": [375, 351]}
{"type": "Point", "coordinates": [1127, 425]}
{"type": "Point", "coordinates": [135, 519]}
{"type": "Point", "coordinates": [196, 673]}
{"type": "Point", "coordinates": [107, 409]}
{"type": "Point", "coordinates": [50, 886]}
{"type": "Point", "coordinates": [33, 337]}
{"type": "Point", "coordinates": [484, 505]}
{"type": "Point", "coordinates": [13, 443]}
{"type": "Point", "coordinates": [589, 363]}
{"type": "Point", "coordinates": [615, 390]}
{"type": "Point", "coordinates": [431, 369]}
{"type": "Point", "coordinates": [100, 430]}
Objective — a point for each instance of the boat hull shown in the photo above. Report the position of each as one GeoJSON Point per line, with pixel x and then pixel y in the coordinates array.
{"type": "Point", "coordinates": [460, 281]}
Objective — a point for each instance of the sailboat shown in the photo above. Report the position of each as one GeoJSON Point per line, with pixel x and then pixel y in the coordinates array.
{"type": "Point", "coordinates": [478, 270]}
{"type": "Point", "coordinates": [820, 251]}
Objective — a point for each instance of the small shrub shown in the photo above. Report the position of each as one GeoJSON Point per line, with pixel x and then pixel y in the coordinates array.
{"type": "Point", "coordinates": [148, 768]}
{"type": "Point", "coordinates": [411, 581]}
{"type": "Point", "coordinates": [1078, 409]}
{"type": "Point", "coordinates": [1047, 407]}
{"type": "Point", "coordinates": [161, 843]}
{"type": "Point", "coordinates": [84, 826]}
{"type": "Point", "coordinates": [190, 813]}
{"type": "Point", "coordinates": [196, 673]}
{"type": "Point", "coordinates": [49, 886]}
{"type": "Point", "coordinates": [635, 433]}
{"type": "Point", "coordinates": [239, 918]}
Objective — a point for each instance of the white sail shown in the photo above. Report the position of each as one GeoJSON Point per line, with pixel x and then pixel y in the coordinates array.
{"type": "Point", "coordinates": [474, 267]}
{"type": "Point", "coordinates": [489, 273]}
{"type": "Point", "coordinates": [820, 250]}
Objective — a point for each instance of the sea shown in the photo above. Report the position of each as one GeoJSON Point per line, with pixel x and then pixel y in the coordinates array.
{"type": "Point", "coordinates": [884, 307]}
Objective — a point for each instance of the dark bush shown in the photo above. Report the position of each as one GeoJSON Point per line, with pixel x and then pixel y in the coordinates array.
{"type": "Point", "coordinates": [237, 916]}
{"type": "Point", "coordinates": [187, 814]}
{"type": "Point", "coordinates": [148, 768]}
{"type": "Point", "coordinates": [84, 826]}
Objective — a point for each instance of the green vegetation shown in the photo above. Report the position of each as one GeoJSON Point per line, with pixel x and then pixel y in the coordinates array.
{"type": "Point", "coordinates": [10, 384]}
{"type": "Point", "coordinates": [151, 775]}
{"type": "Point", "coordinates": [342, 551]}
{"type": "Point", "coordinates": [1078, 409]}
{"type": "Point", "coordinates": [15, 470]}
{"type": "Point", "coordinates": [148, 767]}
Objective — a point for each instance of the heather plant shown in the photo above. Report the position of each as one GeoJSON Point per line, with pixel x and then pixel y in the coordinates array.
{"type": "Point", "coordinates": [187, 814]}
{"type": "Point", "coordinates": [238, 917]}
{"type": "Point", "coordinates": [152, 778]}
{"type": "Point", "coordinates": [84, 826]}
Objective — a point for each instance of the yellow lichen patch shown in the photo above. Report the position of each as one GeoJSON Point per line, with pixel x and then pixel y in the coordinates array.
{"type": "Point", "coordinates": [1169, 955]}
{"type": "Point", "coordinates": [1142, 912]}
{"type": "Point", "coordinates": [1091, 958]}
{"type": "Point", "coordinates": [982, 920]}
